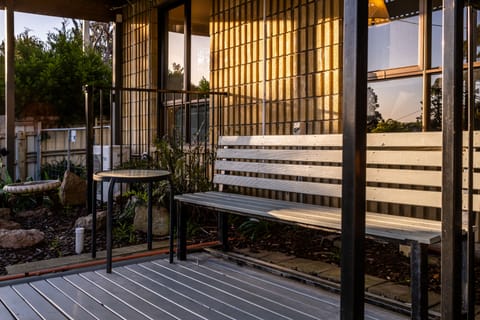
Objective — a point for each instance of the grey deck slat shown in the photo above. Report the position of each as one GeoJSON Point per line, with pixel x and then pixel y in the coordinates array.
{"type": "Point", "coordinates": [204, 294]}
{"type": "Point", "coordinates": [189, 311]}
{"type": "Point", "coordinates": [38, 302]}
{"type": "Point", "coordinates": [295, 289]}
{"type": "Point", "coordinates": [105, 298]}
{"type": "Point", "coordinates": [129, 298]}
{"type": "Point", "coordinates": [16, 305]}
{"type": "Point", "coordinates": [4, 313]}
{"type": "Point", "coordinates": [266, 304]}
{"type": "Point", "coordinates": [285, 294]}
{"type": "Point", "coordinates": [61, 301]}
{"type": "Point", "coordinates": [182, 294]}
{"type": "Point", "coordinates": [83, 299]}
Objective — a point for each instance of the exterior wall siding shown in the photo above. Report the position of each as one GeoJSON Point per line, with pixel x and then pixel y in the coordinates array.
{"type": "Point", "coordinates": [139, 71]}
{"type": "Point", "coordinates": [288, 64]}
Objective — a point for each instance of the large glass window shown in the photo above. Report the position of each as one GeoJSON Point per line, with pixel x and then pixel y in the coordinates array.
{"type": "Point", "coordinates": [394, 43]}
{"type": "Point", "coordinates": [188, 113]}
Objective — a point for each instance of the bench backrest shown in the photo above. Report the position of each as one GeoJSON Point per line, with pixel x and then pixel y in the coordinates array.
{"type": "Point", "coordinates": [402, 168]}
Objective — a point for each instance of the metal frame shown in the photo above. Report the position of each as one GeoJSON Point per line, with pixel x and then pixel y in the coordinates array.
{"type": "Point", "coordinates": [355, 53]}
{"type": "Point", "coordinates": [451, 257]}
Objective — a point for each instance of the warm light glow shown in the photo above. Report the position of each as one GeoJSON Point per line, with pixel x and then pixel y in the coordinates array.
{"type": "Point", "coordinates": [377, 12]}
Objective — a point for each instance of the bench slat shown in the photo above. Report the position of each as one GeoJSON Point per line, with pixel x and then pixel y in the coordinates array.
{"type": "Point", "coordinates": [314, 188]}
{"type": "Point", "coordinates": [326, 172]}
{"type": "Point", "coordinates": [281, 155]}
{"type": "Point", "coordinates": [331, 140]}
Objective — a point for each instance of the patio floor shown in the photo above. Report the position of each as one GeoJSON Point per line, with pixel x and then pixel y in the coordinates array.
{"type": "Point", "coordinates": [204, 287]}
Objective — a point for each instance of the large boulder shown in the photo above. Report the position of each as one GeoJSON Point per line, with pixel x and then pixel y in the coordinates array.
{"type": "Point", "coordinates": [20, 238]}
{"type": "Point", "coordinates": [86, 221]}
{"type": "Point", "coordinates": [73, 190]}
{"type": "Point", "coordinates": [160, 221]}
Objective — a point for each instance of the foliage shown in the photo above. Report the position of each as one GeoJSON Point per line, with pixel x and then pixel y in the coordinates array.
{"type": "Point", "coordinates": [373, 116]}
{"type": "Point", "coordinates": [254, 229]}
{"type": "Point", "coordinates": [188, 164]}
{"type": "Point", "coordinates": [124, 232]}
{"type": "Point", "coordinates": [396, 126]}
{"type": "Point", "coordinates": [54, 72]}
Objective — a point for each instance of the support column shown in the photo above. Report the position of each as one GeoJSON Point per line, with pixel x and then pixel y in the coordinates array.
{"type": "Point", "coordinates": [10, 88]}
{"type": "Point", "coordinates": [451, 257]}
{"type": "Point", "coordinates": [117, 80]}
{"type": "Point", "coordinates": [354, 108]}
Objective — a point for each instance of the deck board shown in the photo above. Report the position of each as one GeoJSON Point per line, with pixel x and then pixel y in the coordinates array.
{"type": "Point", "coordinates": [203, 287]}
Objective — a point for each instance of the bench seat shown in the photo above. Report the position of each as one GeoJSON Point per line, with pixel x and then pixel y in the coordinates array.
{"type": "Point", "coordinates": [403, 229]}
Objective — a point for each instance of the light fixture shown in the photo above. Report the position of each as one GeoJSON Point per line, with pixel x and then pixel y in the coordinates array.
{"type": "Point", "coordinates": [377, 12]}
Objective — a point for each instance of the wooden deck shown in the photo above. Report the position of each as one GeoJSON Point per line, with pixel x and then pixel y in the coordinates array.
{"type": "Point", "coordinates": [203, 287]}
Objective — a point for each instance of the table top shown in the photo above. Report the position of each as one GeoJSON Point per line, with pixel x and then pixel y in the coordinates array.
{"type": "Point", "coordinates": [131, 175]}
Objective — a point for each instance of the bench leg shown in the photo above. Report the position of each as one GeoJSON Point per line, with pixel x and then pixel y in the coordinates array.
{"type": "Point", "coordinates": [223, 230]}
{"type": "Point", "coordinates": [181, 233]}
{"type": "Point", "coordinates": [419, 280]}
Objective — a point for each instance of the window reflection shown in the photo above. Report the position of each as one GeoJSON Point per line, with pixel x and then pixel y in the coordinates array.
{"type": "Point", "coordinates": [388, 45]}
{"type": "Point", "coordinates": [395, 105]}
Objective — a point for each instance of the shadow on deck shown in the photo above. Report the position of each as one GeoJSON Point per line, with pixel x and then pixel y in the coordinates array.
{"type": "Point", "coordinates": [204, 287]}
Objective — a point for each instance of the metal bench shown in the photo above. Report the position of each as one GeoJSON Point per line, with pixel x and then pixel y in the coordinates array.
{"type": "Point", "coordinates": [403, 175]}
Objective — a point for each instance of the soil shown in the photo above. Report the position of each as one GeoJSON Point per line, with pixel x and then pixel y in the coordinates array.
{"type": "Point", "coordinates": [383, 259]}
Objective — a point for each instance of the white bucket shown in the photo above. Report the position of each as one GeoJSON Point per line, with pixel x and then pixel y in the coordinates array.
{"type": "Point", "coordinates": [79, 239]}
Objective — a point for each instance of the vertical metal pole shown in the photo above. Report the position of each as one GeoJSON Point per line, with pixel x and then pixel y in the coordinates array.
{"type": "Point", "coordinates": [69, 148]}
{"type": "Point", "coordinates": [188, 69]}
{"type": "Point", "coordinates": [355, 53]}
{"type": "Point", "coordinates": [116, 134]}
{"type": "Point", "coordinates": [10, 87]}
{"type": "Point", "coordinates": [89, 150]}
{"type": "Point", "coordinates": [472, 47]}
{"type": "Point", "coordinates": [451, 257]}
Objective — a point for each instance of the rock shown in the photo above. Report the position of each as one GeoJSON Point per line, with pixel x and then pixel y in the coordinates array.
{"type": "Point", "coordinates": [86, 221]}
{"type": "Point", "coordinates": [33, 213]}
{"type": "Point", "coordinates": [20, 238]}
{"type": "Point", "coordinates": [160, 221]}
{"type": "Point", "coordinates": [5, 213]}
{"type": "Point", "coordinates": [73, 190]}
{"type": "Point", "coordinates": [9, 225]}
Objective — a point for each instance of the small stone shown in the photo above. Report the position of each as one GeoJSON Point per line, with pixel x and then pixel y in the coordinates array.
{"type": "Point", "coordinates": [86, 221]}
{"type": "Point", "coordinates": [5, 213]}
{"type": "Point", "coordinates": [33, 213]}
{"type": "Point", "coordinates": [20, 238]}
{"type": "Point", "coordinates": [9, 225]}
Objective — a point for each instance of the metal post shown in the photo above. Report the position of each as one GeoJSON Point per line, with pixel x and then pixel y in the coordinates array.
{"type": "Point", "coordinates": [451, 257]}
{"type": "Point", "coordinates": [10, 87]}
{"type": "Point", "coordinates": [355, 53]}
{"type": "Point", "coordinates": [116, 134]}
{"type": "Point", "coordinates": [470, 258]}
{"type": "Point", "coordinates": [89, 148]}
{"type": "Point", "coordinates": [188, 68]}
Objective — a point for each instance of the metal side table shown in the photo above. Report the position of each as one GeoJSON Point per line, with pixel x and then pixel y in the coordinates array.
{"type": "Point", "coordinates": [128, 176]}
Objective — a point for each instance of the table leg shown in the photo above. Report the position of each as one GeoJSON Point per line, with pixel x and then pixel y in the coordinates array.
{"type": "Point", "coordinates": [94, 220]}
{"type": "Point", "coordinates": [110, 224]}
{"type": "Point", "coordinates": [172, 223]}
{"type": "Point", "coordinates": [149, 219]}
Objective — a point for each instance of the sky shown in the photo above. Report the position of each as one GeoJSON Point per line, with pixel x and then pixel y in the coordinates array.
{"type": "Point", "coordinates": [39, 25]}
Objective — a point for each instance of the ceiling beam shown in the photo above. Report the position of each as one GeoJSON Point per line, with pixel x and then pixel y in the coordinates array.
{"type": "Point", "coordinates": [94, 10]}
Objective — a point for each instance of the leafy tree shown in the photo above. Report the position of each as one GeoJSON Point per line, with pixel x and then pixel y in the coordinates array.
{"type": "Point", "coordinates": [436, 105]}
{"type": "Point", "coordinates": [54, 72]}
{"type": "Point", "coordinates": [175, 77]}
{"type": "Point", "coordinates": [373, 116]}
